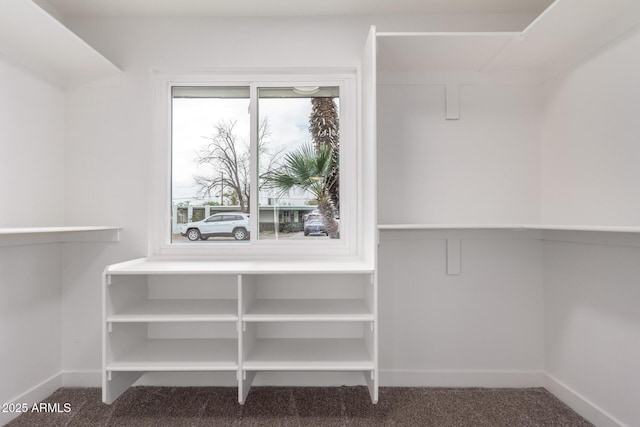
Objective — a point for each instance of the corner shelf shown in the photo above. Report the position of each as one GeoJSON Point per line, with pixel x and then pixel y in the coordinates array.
{"type": "Point", "coordinates": [31, 37]}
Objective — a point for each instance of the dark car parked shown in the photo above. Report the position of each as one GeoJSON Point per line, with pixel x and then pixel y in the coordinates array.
{"type": "Point", "coordinates": [314, 226]}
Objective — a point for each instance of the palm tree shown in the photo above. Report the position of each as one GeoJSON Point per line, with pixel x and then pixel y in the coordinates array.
{"type": "Point", "coordinates": [307, 169]}
{"type": "Point", "coordinates": [324, 128]}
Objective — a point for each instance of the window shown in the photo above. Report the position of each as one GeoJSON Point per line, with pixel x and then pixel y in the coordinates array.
{"type": "Point", "coordinates": [302, 172]}
{"type": "Point", "coordinates": [210, 159]}
{"type": "Point", "coordinates": [255, 158]}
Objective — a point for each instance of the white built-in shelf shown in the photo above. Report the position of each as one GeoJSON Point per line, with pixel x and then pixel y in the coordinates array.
{"type": "Point", "coordinates": [567, 31]}
{"type": "Point", "coordinates": [559, 227]}
{"type": "Point", "coordinates": [409, 51]}
{"type": "Point", "coordinates": [317, 310]}
{"type": "Point", "coordinates": [600, 228]}
{"type": "Point", "coordinates": [34, 39]}
{"type": "Point", "coordinates": [322, 312]}
{"type": "Point", "coordinates": [25, 231]}
{"type": "Point", "coordinates": [25, 235]}
{"type": "Point", "coordinates": [335, 354]}
{"type": "Point", "coordinates": [449, 226]}
{"type": "Point", "coordinates": [179, 355]}
{"type": "Point", "coordinates": [157, 310]}
{"type": "Point", "coordinates": [162, 265]}
{"type": "Point", "coordinates": [564, 33]}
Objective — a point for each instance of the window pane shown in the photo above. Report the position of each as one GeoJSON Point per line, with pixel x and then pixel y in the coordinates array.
{"type": "Point", "coordinates": [210, 163]}
{"type": "Point", "coordinates": [299, 197]}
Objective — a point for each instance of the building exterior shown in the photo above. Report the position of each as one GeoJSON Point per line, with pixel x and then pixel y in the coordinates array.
{"type": "Point", "coordinates": [291, 217]}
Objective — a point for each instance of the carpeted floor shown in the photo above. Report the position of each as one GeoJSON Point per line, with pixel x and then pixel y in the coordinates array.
{"type": "Point", "coordinates": [307, 406]}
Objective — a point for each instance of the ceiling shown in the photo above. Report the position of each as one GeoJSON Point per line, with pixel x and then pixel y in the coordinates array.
{"type": "Point", "coordinates": [157, 8]}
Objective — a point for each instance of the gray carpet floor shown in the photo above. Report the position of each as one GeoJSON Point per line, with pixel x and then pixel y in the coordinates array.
{"type": "Point", "coordinates": [308, 406]}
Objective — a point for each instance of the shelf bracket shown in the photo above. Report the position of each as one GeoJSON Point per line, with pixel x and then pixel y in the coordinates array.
{"type": "Point", "coordinates": [452, 103]}
{"type": "Point", "coordinates": [372, 326]}
{"type": "Point", "coordinates": [244, 326]}
{"type": "Point", "coordinates": [108, 280]}
{"type": "Point", "coordinates": [454, 257]}
{"type": "Point", "coordinates": [108, 375]}
{"type": "Point", "coordinates": [110, 326]}
{"type": "Point", "coordinates": [373, 375]}
{"type": "Point", "coordinates": [244, 375]}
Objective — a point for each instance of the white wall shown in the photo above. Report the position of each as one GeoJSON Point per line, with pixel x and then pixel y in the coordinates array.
{"type": "Point", "coordinates": [30, 313]}
{"type": "Point", "coordinates": [483, 168]}
{"type": "Point", "coordinates": [590, 134]}
{"type": "Point", "coordinates": [592, 327]}
{"type": "Point", "coordinates": [32, 147]}
{"type": "Point", "coordinates": [483, 327]}
{"type": "Point", "coordinates": [31, 194]}
{"type": "Point", "coordinates": [590, 151]}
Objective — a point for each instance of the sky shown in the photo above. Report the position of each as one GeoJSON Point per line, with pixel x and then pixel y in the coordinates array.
{"type": "Point", "coordinates": [194, 120]}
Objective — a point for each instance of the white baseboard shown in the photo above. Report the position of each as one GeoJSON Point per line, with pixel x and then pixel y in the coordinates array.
{"type": "Point", "coordinates": [460, 378]}
{"type": "Point", "coordinates": [583, 406]}
{"type": "Point", "coordinates": [31, 396]}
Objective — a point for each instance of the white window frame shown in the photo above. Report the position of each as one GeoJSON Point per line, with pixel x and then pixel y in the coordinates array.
{"type": "Point", "coordinates": [348, 245]}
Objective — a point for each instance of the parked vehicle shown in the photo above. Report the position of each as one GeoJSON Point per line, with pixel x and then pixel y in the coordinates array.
{"type": "Point", "coordinates": [312, 216]}
{"type": "Point", "coordinates": [315, 226]}
{"type": "Point", "coordinates": [227, 224]}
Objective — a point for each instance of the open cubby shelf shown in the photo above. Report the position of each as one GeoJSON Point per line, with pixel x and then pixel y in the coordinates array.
{"type": "Point", "coordinates": [173, 319]}
{"type": "Point", "coordinates": [179, 355]}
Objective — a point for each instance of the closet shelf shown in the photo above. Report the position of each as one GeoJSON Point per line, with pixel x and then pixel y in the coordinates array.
{"type": "Point", "coordinates": [29, 36]}
{"type": "Point", "coordinates": [179, 355]}
{"type": "Point", "coordinates": [559, 227]}
{"type": "Point", "coordinates": [187, 310]}
{"type": "Point", "coordinates": [318, 310]}
{"type": "Point", "coordinates": [448, 226]}
{"type": "Point", "coordinates": [553, 41]}
{"type": "Point", "coordinates": [440, 50]}
{"type": "Point", "coordinates": [34, 235]}
{"type": "Point", "coordinates": [291, 354]}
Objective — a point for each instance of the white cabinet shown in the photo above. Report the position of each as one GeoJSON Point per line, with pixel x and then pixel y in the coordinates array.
{"type": "Point", "coordinates": [178, 316]}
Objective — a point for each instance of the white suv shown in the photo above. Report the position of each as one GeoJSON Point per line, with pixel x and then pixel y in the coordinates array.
{"type": "Point", "coordinates": [226, 224]}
